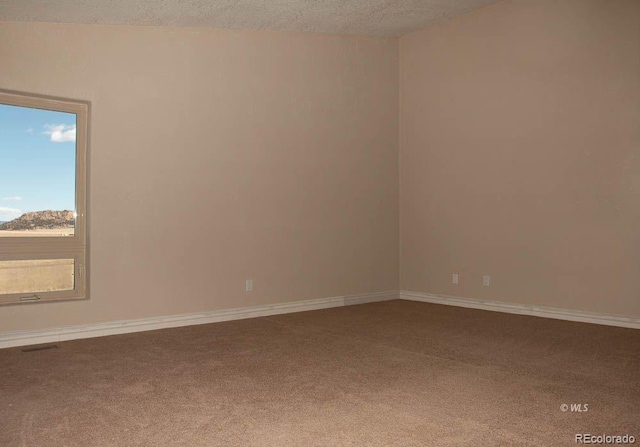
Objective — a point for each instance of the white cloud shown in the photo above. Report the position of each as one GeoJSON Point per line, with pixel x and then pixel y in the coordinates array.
{"type": "Point", "coordinates": [12, 198]}
{"type": "Point", "coordinates": [9, 213]}
{"type": "Point", "coordinates": [30, 130]}
{"type": "Point", "coordinates": [61, 133]}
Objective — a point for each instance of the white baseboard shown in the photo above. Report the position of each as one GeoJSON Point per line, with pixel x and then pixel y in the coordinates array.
{"type": "Point", "coordinates": [523, 309]}
{"type": "Point", "coordinates": [23, 338]}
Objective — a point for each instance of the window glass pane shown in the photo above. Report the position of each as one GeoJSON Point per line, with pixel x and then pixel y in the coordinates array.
{"type": "Point", "coordinates": [37, 172]}
{"type": "Point", "coordinates": [36, 275]}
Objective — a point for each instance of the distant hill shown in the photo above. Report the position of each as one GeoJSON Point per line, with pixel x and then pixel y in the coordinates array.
{"type": "Point", "coordinates": [39, 220]}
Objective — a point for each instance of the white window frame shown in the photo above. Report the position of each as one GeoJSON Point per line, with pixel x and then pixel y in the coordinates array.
{"type": "Point", "coordinates": [56, 247]}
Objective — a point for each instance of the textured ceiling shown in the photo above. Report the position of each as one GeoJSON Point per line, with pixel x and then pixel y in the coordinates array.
{"type": "Point", "coordinates": [363, 17]}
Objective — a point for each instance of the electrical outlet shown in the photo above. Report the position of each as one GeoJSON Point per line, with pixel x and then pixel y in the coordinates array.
{"type": "Point", "coordinates": [249, 285]}
{"type": "Point", "coordinates": [454, 278]}
{"type": "Point", "coordinates": [486, 280]}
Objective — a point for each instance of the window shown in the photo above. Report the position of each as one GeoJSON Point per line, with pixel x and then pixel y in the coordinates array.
{"type": "Point", "coordinates": [43, 184]}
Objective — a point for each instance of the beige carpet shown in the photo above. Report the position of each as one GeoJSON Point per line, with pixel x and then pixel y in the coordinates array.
{"type": "Point", "coordinates": [396, 373]}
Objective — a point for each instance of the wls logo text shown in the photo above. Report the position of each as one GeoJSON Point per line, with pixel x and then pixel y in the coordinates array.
{"type": "Point", "coordinates": [574, 408]}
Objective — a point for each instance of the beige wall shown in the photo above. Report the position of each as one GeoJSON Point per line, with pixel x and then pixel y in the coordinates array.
{"type": "Point", "coordinates": [520, 139]}
{"type": "Point", "coordinates": [218, 156]}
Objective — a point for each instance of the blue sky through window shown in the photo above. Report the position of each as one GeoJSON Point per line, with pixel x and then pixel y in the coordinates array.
{"type": "Point", "coordinates": [37, 161]}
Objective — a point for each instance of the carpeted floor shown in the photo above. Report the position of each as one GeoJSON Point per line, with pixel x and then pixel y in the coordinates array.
{"type": "Point", "coordinates": [396, 373]}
